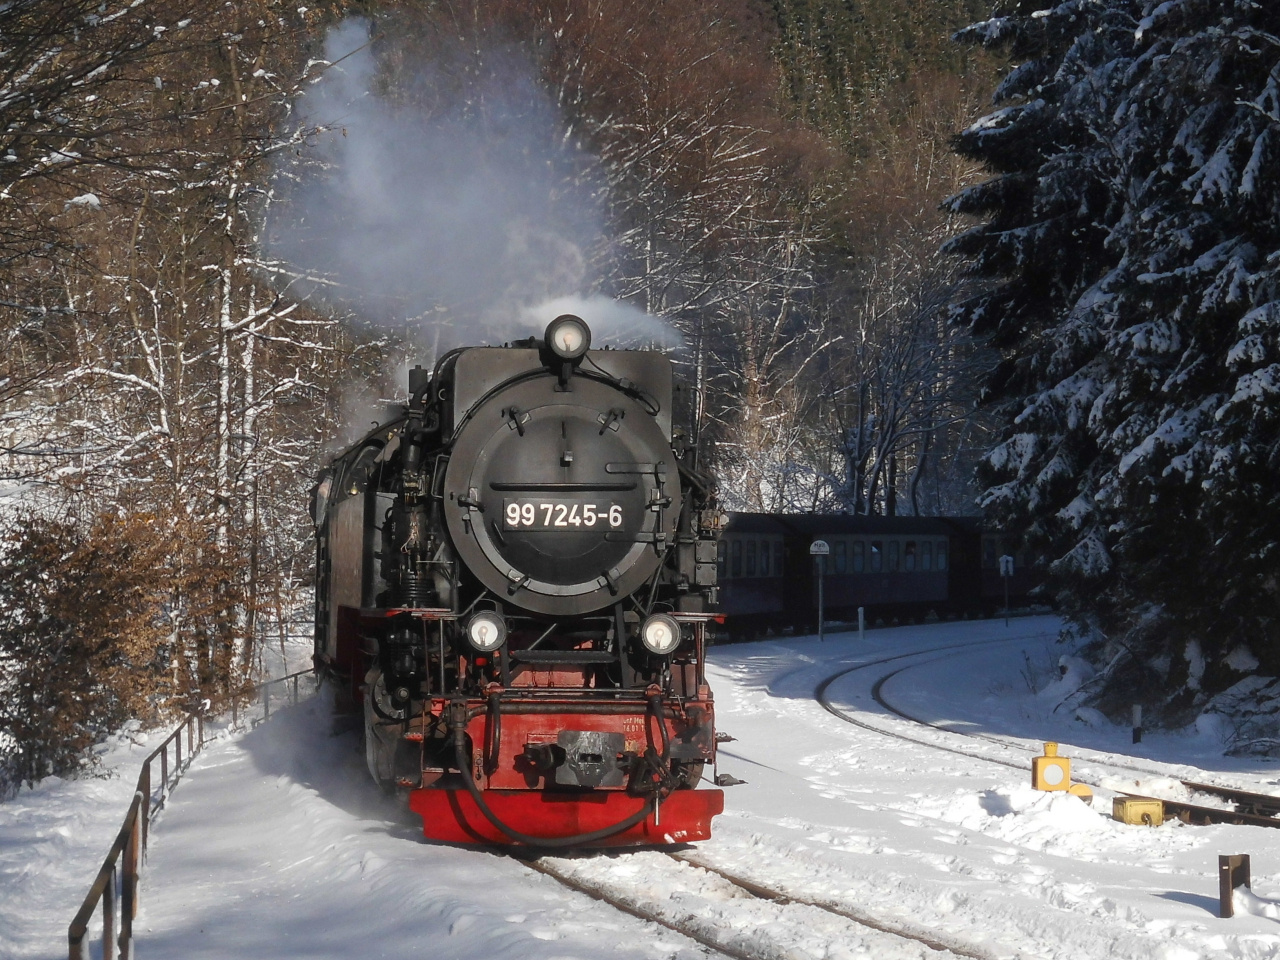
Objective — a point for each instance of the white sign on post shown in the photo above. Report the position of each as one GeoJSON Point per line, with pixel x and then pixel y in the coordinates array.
{"type": "Point", "coordinates": [820, 548]}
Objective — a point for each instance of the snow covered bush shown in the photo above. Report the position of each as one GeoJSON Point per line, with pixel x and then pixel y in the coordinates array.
{"type": "Point", "coordinates": [105, 619]}
{"type": "Point", "coordinates": [1131, 235]}
{"type": "Point", "coordinates": [78, 638]}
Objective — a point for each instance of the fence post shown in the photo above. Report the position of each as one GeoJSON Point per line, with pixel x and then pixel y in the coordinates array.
{"type": "Point", "coordinates": [109, 917]}
{"type": "Point", "coordinates": [164, 773]}
{"type": "Point", "coordinates": [266, 701]}
{"type": "Point", "coordinates": [145, 812]}
{"type": "Point", "coordinates": [129, 889]}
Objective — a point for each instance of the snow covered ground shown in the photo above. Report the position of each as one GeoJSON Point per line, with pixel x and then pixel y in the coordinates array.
{"type": "Point", "coordinates": [277, 845]}
{"type": "Point", "coordinates": [52, 842]}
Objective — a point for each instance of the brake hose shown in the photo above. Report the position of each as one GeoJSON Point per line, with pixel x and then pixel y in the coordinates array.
{"type": "Point", "coordinates": [464, 765]}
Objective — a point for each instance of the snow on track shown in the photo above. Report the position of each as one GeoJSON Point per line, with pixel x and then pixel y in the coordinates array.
{"type": "Point", "coordinates": [723, 915]}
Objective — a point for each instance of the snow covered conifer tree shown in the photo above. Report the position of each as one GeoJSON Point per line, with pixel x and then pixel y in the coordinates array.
{"type": "Point", "coordinates": [1132, 234]}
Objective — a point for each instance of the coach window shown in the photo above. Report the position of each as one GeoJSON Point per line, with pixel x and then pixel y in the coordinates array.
{"type": "Point", "coordinates": [751, 559]}
{"type": "Point", "coordinates": [877, 556]}
{"type": "Point", "coordinates": [942, 555]}
{"type": "Point", "coordinates": [735, 558]}
{"type": "Point", "coordinates": [926, 555]}
{"type": "Point", "coordinates": [842, 556]}
{"type": "Point", "coordinates": [893, 554]}
{"type": "Point", "coordinates": [989, 553]}
{"type": "Point", "coordinates": [909, 557]}
{"type": "Point", "coordinates": [777, 558]}
{"type": "Point", "coordinates": [764, 558]}
{"type": "Point", "coordinates": [859, 556]}
{"type": "Point", "coordinates": [722, 554]}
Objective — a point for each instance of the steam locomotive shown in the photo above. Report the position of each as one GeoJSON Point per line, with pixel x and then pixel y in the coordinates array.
{"type": "Point", "coordinates": [515, 579]}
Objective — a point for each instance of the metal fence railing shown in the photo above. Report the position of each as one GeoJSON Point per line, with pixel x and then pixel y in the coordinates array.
{"type": "Point", "coordinates": [115, 889]}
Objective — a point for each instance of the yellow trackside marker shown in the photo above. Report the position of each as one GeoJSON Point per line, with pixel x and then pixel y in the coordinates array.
{"type": "Point", "coordinates": [1137, 811]}
{"type": "Point", "coordinates": [1051, 772]}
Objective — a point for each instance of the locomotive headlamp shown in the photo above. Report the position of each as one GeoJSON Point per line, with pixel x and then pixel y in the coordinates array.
{"type": "Point", "coordinates": [486, 631]}
{"type": "Point", "coordinates": [660, 634]}
{"type": "Point", "coordinates": [568, 337]}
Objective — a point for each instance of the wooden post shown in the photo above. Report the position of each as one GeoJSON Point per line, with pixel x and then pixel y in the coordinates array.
{"type": "Point", "coordinates": [1233, 872]}
{"type": "Point", "coordinates": [129, 890]}
{"type": "Point", "coordinates": [109, 917]}
{"type": "Point", "coordinates": [145, 811]}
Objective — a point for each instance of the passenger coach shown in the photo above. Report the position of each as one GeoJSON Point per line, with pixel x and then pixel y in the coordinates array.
{"type": "Point", "coordinates": [906, 567]}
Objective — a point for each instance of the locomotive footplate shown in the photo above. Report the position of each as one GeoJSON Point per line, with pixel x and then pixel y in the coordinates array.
{"type": "Point", "coordinates": [452, 816]}
{"type": "Point", "coordinates": [560, 768]}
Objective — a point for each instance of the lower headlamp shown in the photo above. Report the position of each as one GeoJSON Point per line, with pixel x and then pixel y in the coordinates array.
{"type": "Point", "coordinates": [486, 631]}
{"type": "Point", "coordinates": [660, 634]}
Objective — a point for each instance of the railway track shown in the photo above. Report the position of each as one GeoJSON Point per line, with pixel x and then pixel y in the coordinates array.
{"type": "Point", "coordinates": [1247, 808]}
{"type": "Point", "coordinates": [730, 934]}
{"type": "Point", "coordinates": [740, 917]}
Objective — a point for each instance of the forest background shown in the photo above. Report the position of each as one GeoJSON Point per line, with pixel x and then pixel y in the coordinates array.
{"type": "Point", "coordinates": [226, 229]}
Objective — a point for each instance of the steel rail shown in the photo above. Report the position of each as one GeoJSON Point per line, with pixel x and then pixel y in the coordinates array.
{"type": "Point", "coordinates": [754, 890]}
{"type": "Point", "coordinates": [115, 888]}
{"type": "Point", "coordinates": [639, 912]}
{"type": "Point", "coordinates": [764, 892]}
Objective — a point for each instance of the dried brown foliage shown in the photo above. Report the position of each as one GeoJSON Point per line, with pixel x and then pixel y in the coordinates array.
{"type": "Point", "coordinates": [107, 618]}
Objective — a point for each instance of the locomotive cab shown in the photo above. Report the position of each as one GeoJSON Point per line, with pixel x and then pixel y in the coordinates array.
{"type": "Point", "coordinates": [515, 578]}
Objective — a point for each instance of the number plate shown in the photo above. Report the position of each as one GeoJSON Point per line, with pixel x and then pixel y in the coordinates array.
{"type": "Point", "coordinates": [558, 514]}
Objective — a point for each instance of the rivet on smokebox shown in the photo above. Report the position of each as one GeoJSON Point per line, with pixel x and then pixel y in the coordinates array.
{"type": "Point", "coordinates": [1137, 811]}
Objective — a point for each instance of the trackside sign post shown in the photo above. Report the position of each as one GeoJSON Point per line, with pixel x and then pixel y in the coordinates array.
{"type": "Point", "coordinates": [819, 550]}
{"type": "Point", "coordinates": [1006, 571]}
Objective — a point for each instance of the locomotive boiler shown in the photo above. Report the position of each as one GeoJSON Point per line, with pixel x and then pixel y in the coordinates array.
{"type": "Point", "coordinates": [514, 580]}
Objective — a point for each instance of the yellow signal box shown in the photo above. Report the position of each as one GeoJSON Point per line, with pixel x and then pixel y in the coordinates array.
{"type": "Point", "coordinates": [1051, 772]}
{"type": "Point", "coordinates": [1138, 810]}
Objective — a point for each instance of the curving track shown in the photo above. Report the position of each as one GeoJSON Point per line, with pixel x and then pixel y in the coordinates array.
{"type": "Point", "coordinates": [820, 694]}
{"type": "Point", "coordinates": [1247, 808]}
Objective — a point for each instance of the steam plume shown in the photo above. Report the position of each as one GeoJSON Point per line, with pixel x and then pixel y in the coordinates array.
{"type": "Point", "coordinates": [464, 211]}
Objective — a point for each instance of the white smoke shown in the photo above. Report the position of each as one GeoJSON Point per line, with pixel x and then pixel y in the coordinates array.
{"type": "Point", "coordinates": [463, 215]}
